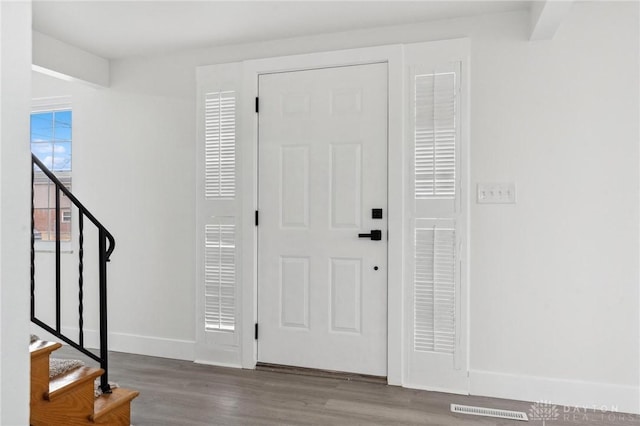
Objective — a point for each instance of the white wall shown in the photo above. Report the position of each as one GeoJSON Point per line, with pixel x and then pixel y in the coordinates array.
{"type": "Point", "coordinates": [554, 278]}
{"type": "Point", "coordinates": [133, 169]}
{"type": "Point", "coordinates": [15, 63]}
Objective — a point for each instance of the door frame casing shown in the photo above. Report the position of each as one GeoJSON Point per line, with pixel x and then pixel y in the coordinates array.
{"type": "Point", "coordinates": [392, 55]}
{"type": "Point", "coordinates": [243, 76]}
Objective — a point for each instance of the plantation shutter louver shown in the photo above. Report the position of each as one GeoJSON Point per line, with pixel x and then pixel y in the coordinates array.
{"type": "Point", "coordinates": [220, 277]}
{"type": "Point", "coordinates": [435, 135]}
{"type": "Point", "coordinates": [435, 289]}
{"type": "Point", "coordinates": [220, 144]}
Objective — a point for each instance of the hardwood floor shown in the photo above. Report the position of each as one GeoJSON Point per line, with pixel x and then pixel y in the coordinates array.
{"type": "Point", "coordinates": [187, 394]}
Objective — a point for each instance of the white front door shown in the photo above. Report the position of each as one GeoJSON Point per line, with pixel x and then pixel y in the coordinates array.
{"type": "Point", "coordinates": [322, 289]}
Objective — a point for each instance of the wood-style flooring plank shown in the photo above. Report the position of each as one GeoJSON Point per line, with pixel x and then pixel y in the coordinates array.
{"type": "Point", "coordinates": [186, 394]}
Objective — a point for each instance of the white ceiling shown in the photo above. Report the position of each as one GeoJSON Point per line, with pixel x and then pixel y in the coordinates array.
{"type": "Point", "coordinates": [116, 29]}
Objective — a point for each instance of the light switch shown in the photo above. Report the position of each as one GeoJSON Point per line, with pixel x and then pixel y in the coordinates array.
{"type": "Point", "coordinates": [496, 193]}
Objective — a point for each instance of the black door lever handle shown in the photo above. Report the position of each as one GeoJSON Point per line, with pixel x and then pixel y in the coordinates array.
{"type": "Point", "coordinates": [375, 235]}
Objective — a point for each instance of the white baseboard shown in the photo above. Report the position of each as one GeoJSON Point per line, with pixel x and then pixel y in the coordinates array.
{"type": "Point", "coordinates": [221, 355]}
{"type": "Point", "coordinates": [217, 364]}
{"type": "Point", "coordinates": [130, 343]}
{"type": "Point", "coordinates": [590, 396]}
{"type": "Point", "coordinates": [410, 385]}
{"type": "Point", "coordinates": [152, 346]}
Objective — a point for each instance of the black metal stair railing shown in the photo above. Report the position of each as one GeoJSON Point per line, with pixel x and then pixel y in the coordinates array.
{"type": "Point", "coordinates": [106, 244]}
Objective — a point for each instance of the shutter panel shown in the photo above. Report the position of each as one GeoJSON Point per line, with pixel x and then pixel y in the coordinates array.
{"type": "Point", "coordinates": [435, 289]}
{"type": "Point", "coordinates": [218, 214]}
{"type": "Point", "coordinates": [220, 145]}
{"type": "Point", "coordinates": [437, 207]}
{"type": "Point", "coordinates": [220, 277]}
{"type": "Point", "coordinates": [435, 135]}
{"type": "Point", "coordinates": [436, 157]}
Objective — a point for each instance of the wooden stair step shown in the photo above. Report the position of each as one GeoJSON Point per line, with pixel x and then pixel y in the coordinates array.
{"type": "Point", "coordinates": [41, 347]}
{"type": "Point", "coordinates": [40, 355]}
{"type": "Point", "coordinates": [115, 405]}
{"type": "Point", "coordinates": [68, 399]}
{"type": "Point", "coordinates": [72, 379]}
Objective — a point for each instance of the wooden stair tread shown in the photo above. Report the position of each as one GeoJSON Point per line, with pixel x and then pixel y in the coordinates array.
{"type": "Point", "coordinates": [63, 383]}
{"type": "Point", "coordinates": [41, 347]}
{"type": "Point", "coordinates": [106, 403]}
{"type": "Point", "coordinates": [68, 399]}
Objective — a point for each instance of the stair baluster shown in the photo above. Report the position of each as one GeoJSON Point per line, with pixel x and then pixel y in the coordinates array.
{"type": "Point", "coordinates": [106, 245]}
{"type": "Point", "coordinates": [80, 280]}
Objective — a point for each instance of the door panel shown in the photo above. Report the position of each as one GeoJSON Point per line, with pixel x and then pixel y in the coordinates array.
{"type": "Point", "coordinates": [322, 290]}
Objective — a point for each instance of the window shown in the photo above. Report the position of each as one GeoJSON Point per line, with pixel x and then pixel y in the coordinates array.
{"type": "Point", "coordinates": [220, 236]}
{"type": "Point", "coordinates": [220, 145]}
{"type": "Point", "coordinates": [434, 287]}
{"type": "Point", "coordinates": [436, 130]}
{"type": "Point", "coordinates": [66, 216]}
{"type": "Point", "coordinates": [220, 276]}
{"type": "Point", "coordinates": [51, 124]}
{"type": "Point", "coordinates": [435, 135]}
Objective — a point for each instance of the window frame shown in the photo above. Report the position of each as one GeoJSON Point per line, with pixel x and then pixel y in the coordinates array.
{"type": "Point", "coordinates": [45, 105]}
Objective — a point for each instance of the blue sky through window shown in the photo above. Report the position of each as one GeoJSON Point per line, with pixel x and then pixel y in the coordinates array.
{"type": "Point", "coordinates": [51, 139]}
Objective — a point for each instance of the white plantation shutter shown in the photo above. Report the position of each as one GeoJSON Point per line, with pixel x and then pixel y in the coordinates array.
{"type": "Point", "coordinates": [435, 135]}
{"type": "Point", "coordinates": [436, 329]}
{"type": "Point", "coordinates": [220, 276]}
{"type": "Point", "coordinates": [220, 144]}
{"type": "Point", "coordinates": [435, 289]}
{"type": "Point", "coordinates": [436, 130]}
{"type": "Point", "coordinates": [218, 214]}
